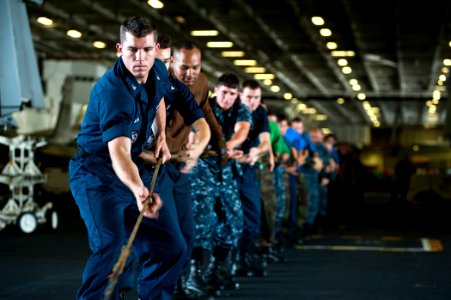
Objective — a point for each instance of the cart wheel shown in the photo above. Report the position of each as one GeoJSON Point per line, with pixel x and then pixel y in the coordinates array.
{"type": "Point", "coordinates": [52, 219]}
{"type": "Point", "coordinates": [27, 222]}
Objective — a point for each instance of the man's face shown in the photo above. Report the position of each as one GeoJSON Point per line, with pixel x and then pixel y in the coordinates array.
{"type": "Point", "coordinates": [298, 126]}
{"type": "Point", "coordinates": [251, 98]}
{"type": "Point", "coordinates": [186, 65]}
{"type": "Point", "coordinates": [283, 126]}
{"type": "Point", "coordinates": [165, 56]}
{"type": "Point", "coordinates": [138, 54]}
{"type": "Point", "coordinates": [225, 96]}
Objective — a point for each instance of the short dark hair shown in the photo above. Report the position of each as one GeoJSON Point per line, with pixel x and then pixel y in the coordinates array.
{"type": "Point", "coordinates": [228, 80]}
{"type": "Point", "coordinates": [297, 120]}
{"type": "Point", "coordinates": [252, 84]}
{"type": "Point", "coordinates": [188, 45]}
{"type": "Point", "coordinates": [164, 41]}
{"type": "Point", "coordinates": [138, 26]}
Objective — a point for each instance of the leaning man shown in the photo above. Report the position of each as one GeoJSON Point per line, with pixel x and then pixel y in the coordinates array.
{"type": "Point", "coordinates": [104, 173]}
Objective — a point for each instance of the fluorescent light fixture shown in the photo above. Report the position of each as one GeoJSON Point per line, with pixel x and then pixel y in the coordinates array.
{"type": "Point", "coordinates": [346, 70]}
{"type": "Point", "coordinates": [361, 96]}
{"type": "Point", "coordinates": [180, 19]}
{"type": "Point", "coordinates": [331, 45]}
{"type": "Point", "coordinates": [232, 53]}
{"type": "Point", "coordinates": [340, 101]}
{"type": "Point", "coordinates": [436, 95]}
{"type": "Point", "coordinates": [267, 82]}
{"type": "Point", "coordinates": [275, 88]}
{"type": "Point", "coordinates": [224, 44]}
{"type": "Point", "coordinates": [74, 33]}
{"type": "Point", "coordinates": [254, 70]}
{"type": "Point", "coordinates": [353, 81]}
{"type": "Point", "coordinates": [356, 87]}
{"type": "Point", "coordinates": [342, 53]}
{"type": "Point", "coordinates": [445, 70]}
{"type": "Point", "coordinates": [435, 101]}
{"type": "Point", "coordinates": [310, 111]}
{"type": "Point", "coordinates": [318, 21]}
{"type": "Point", "coordinates": [204, 32]}
{"type": "Point", "coordinates": [99, 44]}
{"type": "Point", "coordinates": [442, 77]}
{"type": "Point", "coordinates": [320, 117]}
{"type": "Point", "coordinates": [264, 76]}
{"type": "Point", "coordinates": [449, 44]}
{"type": "Point", "coordinates": [155, 4]}
{"type": "Point", "coordinates": [301, 107]}
{"type": "Point", "coordinates": [45, 21]}
{"type": "Point", "coordinates": [287, 96]}
{"type": "Point", "coordinates": [432, 109]}
{"type": "Point", "coordinates": [342, 62]}
{"type": "Point", "coordinates": [440, 82]}
{"type": "Point", "coordinates": [245, 62]}
{"type": "Point", "coordinates": [325, 32]}
{"type": "Point", "coordinates": [447, 62]}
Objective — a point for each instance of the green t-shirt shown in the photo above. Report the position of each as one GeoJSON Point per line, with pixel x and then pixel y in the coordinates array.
{"type": "Point", "coordinates": [278, 144]}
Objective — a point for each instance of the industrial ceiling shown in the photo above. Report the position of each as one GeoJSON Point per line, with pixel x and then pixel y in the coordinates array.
{"type": "Point", "coordinates": [398, 51]}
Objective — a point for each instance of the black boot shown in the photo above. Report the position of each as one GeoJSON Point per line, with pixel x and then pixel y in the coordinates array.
{"type": "Point", "coordinates": [195, 285]}
{"type": "Point", "coordinates": [216, 275]}
{"type": "Point", "coordinates": [251, 264]}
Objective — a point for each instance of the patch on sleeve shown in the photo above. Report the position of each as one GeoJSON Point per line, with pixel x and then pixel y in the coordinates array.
{"type": "Point", "coordinates": [134, 136]}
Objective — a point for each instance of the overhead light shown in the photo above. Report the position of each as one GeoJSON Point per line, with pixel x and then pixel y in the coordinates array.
{"type": "Point", "coordinates": [264, 76]}
{"type": "Point", "coordinates": [435, 101]}
{"type": "Point", "coordinates": [245, 62]}
{"type": "Point", "coordinates": [325, 32]}
{"type": "Point", "coordinates": [361, 96]}
{"type": "Point", "coordinates": [353, 81]}
{"type": "Point", "coordinates": [45, 21]}
{"type": "Point", "coordinates": [318, 21]}
{"type": "Point", "coordinates": [436, 95]}
{"type": "Point", "coordinates": [331, 45]}
{"type": "Point", "coordinates": [267, 82]}
{"type": "Point", "coordinates": [74, 33]}
{"type": "Point", "coordinates": [254, 70]}
{"type": "Point", "coordinates": [342, 62]}
{"type": "Point", "coordinates": [442, 77]}
{"type": "Point", "coordinates": [447, 62]}
{"type": "Point", "coordinates": [342, 53]}
{"type": "Point", "coordinates": [155, 4]}
{"type": "Point", "coordinates": [432, 109]}
{"type": "Point", "coordinates": [180, 19]}
{"type": "Point", "coordinates": [219, 44]}
{"type": "Point", "coordinates": [301, 107]}
{"type": "Point", "coordinates": [320, 117]}
{"type": "Point", "coordinates": [310, 111]}
{"type": "Point", "coordinates": [366, 105]}
{"type": "Point", "coordinates": [275, 88]}
{"type": "Point", "coordinates": [294, 100]}
{"type": "Point", "coordinates": [232, 53]}
{"type": "Point", "coordinates": [99, 44]}
{"type": "Point", "coordinates": [287, 96]}
{"type": "Point", "coordinates": [449, 44]}
{"type": "Point", "coordinates": [440, 82]}
{"type": "Point", "coordinates": [356, 87]}
{"type": "Point", "coordinates": [346, 70]}
{"type": "Point", "coordinates": [204, 32]}
{"type": "Point", "coordinates": [340, 101]}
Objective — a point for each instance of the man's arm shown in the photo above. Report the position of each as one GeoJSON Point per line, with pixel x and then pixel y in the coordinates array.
{"type": "Point", "coordinates": [201, 139]}
{"type": "Point", "coordinates": [127, 172]}
{"type": "Point", "coordinates": [161, 148]}
{"type": "Point", "coordinates": [239, 136]}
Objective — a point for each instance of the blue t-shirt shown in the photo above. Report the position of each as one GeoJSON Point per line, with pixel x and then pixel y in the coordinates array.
{"type": "Point", "coordinates": [294, 139]}
{"type": "Point", "coordinates": [179, 98]}
{"type": "Point", "coordinates": [260, 124]}
{"type": "Point", "coordinates": [120, 106]}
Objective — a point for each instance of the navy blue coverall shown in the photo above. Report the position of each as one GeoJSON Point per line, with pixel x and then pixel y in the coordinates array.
{"type": "Point", "coordinates": [120, 106]}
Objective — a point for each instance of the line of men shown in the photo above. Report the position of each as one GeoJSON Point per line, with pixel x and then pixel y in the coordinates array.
{"type": "Point", "coordinates": [204, 219]}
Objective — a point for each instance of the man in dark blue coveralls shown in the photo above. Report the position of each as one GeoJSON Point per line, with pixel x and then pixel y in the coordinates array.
{"type": "Point", "coordinates": [104, 173]}
{"type": "Point", "coordinates": [256, 145]}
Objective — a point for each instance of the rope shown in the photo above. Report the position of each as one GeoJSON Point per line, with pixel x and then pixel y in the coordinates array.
{"type": "Point", "coordinates": [125, 253]}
